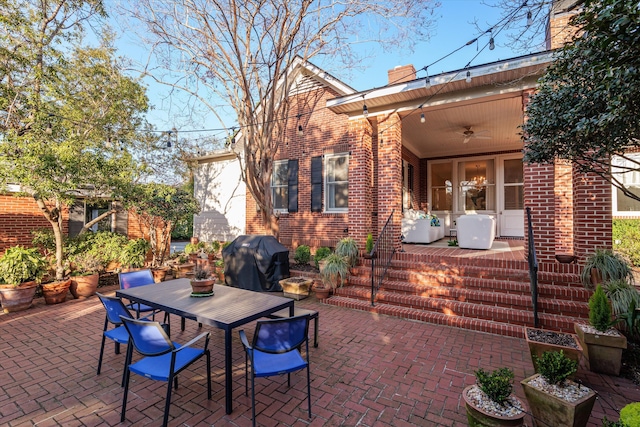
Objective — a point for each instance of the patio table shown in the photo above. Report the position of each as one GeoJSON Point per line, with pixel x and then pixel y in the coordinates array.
{"type": "Point", "coordinates": [227, 309]}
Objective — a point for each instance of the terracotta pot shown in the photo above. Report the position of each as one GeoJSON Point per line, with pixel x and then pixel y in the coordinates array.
{"type": "Point", "coordinates": [202, 286]}
{"type": "Point", "coordinates": [478, 417]}
{"type": "Point", "coordinates": [322, 292]}
{"type": "Point", "coordinates": [553, 411]}
{"type": "Point", "coordinates": [159, 274]}
{"type": "Point", "coordinates": [17, 298]}
{"type": "Point", "coordinates": [84, 286]}
{"type": "Point", "coordinates": [56, 292]}
{"type": "Point", "coordinates": [183, 269]}
{"type": "Point", "coordinates": [194, 240]}
{"type": "Point", "coordinates": [211, 257]}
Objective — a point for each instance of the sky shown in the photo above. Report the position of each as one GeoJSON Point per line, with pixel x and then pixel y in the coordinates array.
{"type": "Point", "coordinates": [453, 28]}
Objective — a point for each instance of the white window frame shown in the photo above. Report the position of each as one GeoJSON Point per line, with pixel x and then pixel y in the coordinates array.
{"type": "Point", "coordinates": [328, 184]}
{"type": "Point", "coordinates": [280, 185]}
{"type": "Point", "coordinates": [616, 160]}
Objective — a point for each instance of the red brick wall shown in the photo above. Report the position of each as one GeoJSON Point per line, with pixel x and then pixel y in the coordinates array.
{"type": "Point", "coordinates": [401, 73]}
{"type": "Point", "coordinates": [564, 207]}
{"type": "Point", "coordinates": [389, 170]}
{"type": "Point", "coordinates": [416, 199]}
{"type": "Point", "coordinates": [592, 214]}
{"type": "Point", "coordinates": [558, 30]}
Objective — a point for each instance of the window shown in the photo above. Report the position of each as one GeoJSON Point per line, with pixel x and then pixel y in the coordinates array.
{"type": "Point", "coordinates": [94, 210]}
{"type": "Point", "coordinates": [279, 186]}
{"type": "Point", "coordinates": [407, 185]}
{"type": "Point", "coordinates": [441, 187]}
{"type": "Point", "coordinates": [336, 182]}
{"type": "Point", "coordinates": [622, 204]}
{"type": "Point", "coordinates": [477, 185]}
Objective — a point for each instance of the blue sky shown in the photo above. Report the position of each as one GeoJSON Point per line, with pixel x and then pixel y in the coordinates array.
{"type": "Point", "coordinates": [453, 28]}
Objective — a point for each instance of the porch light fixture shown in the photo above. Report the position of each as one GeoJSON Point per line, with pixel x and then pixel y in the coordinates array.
{"type": "Point", "coordinates": [427, 81]}
{"type": "Point", "coordinates": [468, 79]}
{"type": "Point", "coordinates": [529, 19]}
{"type": "Point", "coordinates": [365, 110]}
{"type": "Point", "coordinates": [300, 131]}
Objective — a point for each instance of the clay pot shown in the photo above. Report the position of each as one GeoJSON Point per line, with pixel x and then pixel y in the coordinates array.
{"type": "Point", "coordinates": [56, 292]}
{"type": "Point", "coordinates": [159, 274]}
{"type": "Point", "coordinates": [84, 286]}
{"type": "Point", "coordinates": [17, 298]}
{"type": "Point", "coordinates": [202, 286]}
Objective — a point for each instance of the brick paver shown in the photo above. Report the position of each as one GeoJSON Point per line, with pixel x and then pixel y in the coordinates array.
{"type": "Point", "coordinates": [369, 370]}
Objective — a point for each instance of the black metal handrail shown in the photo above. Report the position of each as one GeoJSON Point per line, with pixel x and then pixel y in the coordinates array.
{"type": "Point", "coordinates": [533, 268]}
{"type": "Point", "coordinates": [383, 251]}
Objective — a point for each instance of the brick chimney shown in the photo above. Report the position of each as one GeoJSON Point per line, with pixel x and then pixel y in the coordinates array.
{"type": "Point", "coordinates": [402, 73]}
{"type": "Point", "coordinates": [559, 32]}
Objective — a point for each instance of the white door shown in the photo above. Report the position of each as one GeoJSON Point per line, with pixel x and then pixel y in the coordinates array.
{"type": "Point", "coordinates": [512, 198]}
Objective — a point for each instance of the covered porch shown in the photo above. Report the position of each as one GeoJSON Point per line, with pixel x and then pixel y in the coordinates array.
{"type": "Point", "coordinates": [512, 249]}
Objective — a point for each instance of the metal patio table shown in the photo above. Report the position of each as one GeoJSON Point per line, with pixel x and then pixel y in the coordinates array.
{"type": "Point", "coordinates": [227, 309]}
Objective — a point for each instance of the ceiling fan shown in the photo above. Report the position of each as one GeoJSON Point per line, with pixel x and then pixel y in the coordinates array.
{"type": "Point", "coordinates": [469, 134]}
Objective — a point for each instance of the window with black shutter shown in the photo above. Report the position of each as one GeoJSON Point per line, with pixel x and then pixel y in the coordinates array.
{"type": "Point", "coordinates": [293, 185]}
{"type": "Point", "coordinates": [316, 184]}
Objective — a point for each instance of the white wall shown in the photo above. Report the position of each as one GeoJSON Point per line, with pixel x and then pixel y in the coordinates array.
{"type": "Point", "coordinates": [221, 193]}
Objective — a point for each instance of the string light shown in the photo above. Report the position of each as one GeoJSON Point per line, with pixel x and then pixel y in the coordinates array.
{"type": "Point", "coordinates": [492, 43]}
{"type": "Point", "coordinates": [529, 19]}
{"type": "Point", "coordinates": [365, 110]}
{"type": "Point", "coordinates": [300, 131]}
{"type": "Point", "coordinates": [427, 81]}
{"type": "Point", "coordinates": [422, 119]}
{"type": "Point", "coordinates": [468, 79]}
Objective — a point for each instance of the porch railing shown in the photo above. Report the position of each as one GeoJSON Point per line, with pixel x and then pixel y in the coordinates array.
{"type": "Point", "coordinates": [533, 268]}
{"type": "Point", "coordinates": [381, 256]}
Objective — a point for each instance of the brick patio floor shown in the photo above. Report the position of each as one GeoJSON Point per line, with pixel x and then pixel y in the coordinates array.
{"type": "Point", "coordinates": [369, 370]}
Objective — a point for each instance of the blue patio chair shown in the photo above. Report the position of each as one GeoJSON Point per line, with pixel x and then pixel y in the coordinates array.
{"type": "Point", "coordinates": [276, 350]}
{"type": "Point", "coordinates": [133, 279]}
{"type": "Point", "coordinates": [163, 360]}
{"type": "Point", "coordinates": [118, 334]}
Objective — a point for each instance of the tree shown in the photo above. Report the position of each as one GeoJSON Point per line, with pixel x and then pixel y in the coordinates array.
{"type": "Point", "coordinates": [160, 207]}
{"type": "Point", "coordinates": [586, 108]}
{"type": "Point", "coordinates": [68, 113]}
{"type": "Point", "coordinates": [240, 55]}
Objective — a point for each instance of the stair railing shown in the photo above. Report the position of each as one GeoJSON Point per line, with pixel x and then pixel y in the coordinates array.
{"type": "Point", "coordinates": [383, 252]}
{"type": "Point", "coordinates": [533, 268]}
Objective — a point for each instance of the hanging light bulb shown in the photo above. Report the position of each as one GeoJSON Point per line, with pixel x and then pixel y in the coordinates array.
{"type": "Point", "coordinates": [492, 44]}
{"type": "Point", "coordinates": [300, 131]}
{"type": "Point", "coordinates": [365, 110]}
{"type": "Point", "coordinates": [468, 79]}
{"type": "Point", "coordinates": [168, 139]}
{"type": "Point", "coordinates": [529, 19]}
{"type": "Point", "coordinates": [427, 81]}
{"type": "Point", "coordinates": [422, 119]}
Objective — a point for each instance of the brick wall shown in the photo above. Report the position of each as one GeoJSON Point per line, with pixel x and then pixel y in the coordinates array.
{"type": "Point", "coordinates": [411, 158]}
{"type": "Point", "coordinates": [559, 32]}
{"type": "Point", "coordinates": [564, 237]}
{"type": "Point", "coordinates": [389, 172]}
{"type": "Point", "coordinates": [401, 73]}
{"type": "Point", "coordinates": [592, 214]}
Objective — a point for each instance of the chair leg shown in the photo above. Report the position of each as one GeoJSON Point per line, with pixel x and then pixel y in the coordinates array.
{"type": "Point", "coordinates": [168, 401]}
{"type": "Point", "coordinates": [101, 354]}
{"type": "Point", "coordinates": [117, 348]}
{"type": "Point", "coordinates": [125, 380]}
{"type": "Point", "coordinates": [208, 353]}
{"type": "Point", "coordinates": [246, 374]}
{"type": "Point", "coordinates": [315, 331]}
{"type": "Point", "coordinates": [309, 389]}
{"type": "Point", "coordinates": [253, 398]}
{"type": "Point", "coordinates": [182, 322]}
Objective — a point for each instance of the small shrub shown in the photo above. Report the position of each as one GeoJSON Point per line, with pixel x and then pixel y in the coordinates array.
{"type": "Point", "coordinates": [321, 253]}
{"type": "Point", "coordinates": [201, 273]}
{"type": "Point", "coordinates": [555, 366]}
{"type": "Point", "coordinates": [302, 255]}
{"type": "Point", "coordinates": [369, 244]}
{"type": "Point", "coordinates": [630, 414]}
{"type": "Point", "coordinates": [498, 385]}
{"type": "Point", "coordinates": [599, 310]}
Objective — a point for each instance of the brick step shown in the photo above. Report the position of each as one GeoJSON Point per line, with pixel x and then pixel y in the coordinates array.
{"type": "Point", "coordinates": [476, 304]}
{"type": "Point", "coordinates": [425, 283]}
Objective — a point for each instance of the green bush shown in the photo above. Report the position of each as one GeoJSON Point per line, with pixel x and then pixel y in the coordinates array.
{"type": "Point", "coordinates": [498, 384]}
{"type": "Point", "coordinates": [321, 253]}
{"type": "Point", "coordinates": [134, 253]}
{"type": "Point", "coordinates": [20, 264]}
{"type": "Point", "coordinates": [599, 310]}
{"type": "Point", "coordinates": [626, 239]}
{"type": "Point", "coordinates": [555, 366]}
{"type": "Point", "coordinates": [630, 414]}
{"type": "Point", "coordinates": [369, 243]}
{"type": "Point", "coordinates": [302, 255]}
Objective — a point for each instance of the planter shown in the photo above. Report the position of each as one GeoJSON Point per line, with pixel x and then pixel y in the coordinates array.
{"type": "Point", "coordinates": [550, 410]}
{"type": "Point", "coordinates": [603, 352]}
{"type": "Point", "coordinates": [84, 286]}
{"type": "Point", "coordinates": [322, 292]}
{"type": "Point", "coordinates": [183, 269]}
{"type": "Point", "coordinates": [202, 286]}
{"type": "Point", "coordinates": [17, 298]}
{"type": "Point", "coordinates": [56, 292]}
{"type": "Point", "coordinates": [296, 288]}
{"type": "Point", "coordinates": [540, 341]}
{"type": "Point", "coordinates": [159, 274]}
{"type": "Point", "coordinates": [480, 418]}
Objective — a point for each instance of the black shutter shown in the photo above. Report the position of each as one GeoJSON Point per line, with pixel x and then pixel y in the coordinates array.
{"type": "Point", "coordinates": [76, 217]}
{"type": "Point", "coordinates": [122, 218]}
{"type": "Point", "coordinates": [316, 184]}
{"type": "Point", "coordinates": [292, 178]}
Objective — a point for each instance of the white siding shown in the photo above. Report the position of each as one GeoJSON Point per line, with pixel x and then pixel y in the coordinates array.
{"type": "Point", "coordinates": [221, 193]}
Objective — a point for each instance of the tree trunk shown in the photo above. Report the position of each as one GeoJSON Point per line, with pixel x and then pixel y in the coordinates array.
{"type": "Point", "coordinates": [55, 219]}
{"type": "Point", "coordinates": [90, 224]}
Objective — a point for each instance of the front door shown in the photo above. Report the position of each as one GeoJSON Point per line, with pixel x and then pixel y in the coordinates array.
{"type": "Point", "coordinates": [512, 198]}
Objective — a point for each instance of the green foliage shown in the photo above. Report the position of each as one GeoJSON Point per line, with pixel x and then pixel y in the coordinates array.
{"type": "Point", "coordinates": [85, 264]}
{"type": "Point", "coordinates": [191, 248]}
{"type": "Point", "coordinates": [627, 233]}
{"type": "Point", "coordinates": [630, 414]}
{"type": "Point", "coordinates": [599, 310]}
{"type": "Point", "coordinates": [610, 265]}
{"type": "Point", "coordinates": [621, 293]}
{"type": "Point", "coordinates": [498, 385]}
{"type": "Point", "coordinates": [321, 253]}
{"type": "Point", "coordinates": [629, 321]}
{"type": "Point", "coordinates": [555, 366]}
{"type": "Point", "coordinates": [134, 253]}
{"type": "Point", "coordinates": [20, 264]}
{"type": "Point", "coordinates": [369, 243]}
{"type": "Point", "coordinates": [348, 248]}
{"type": "Point", "coordinates": [335, 270]}
{"type": "Point", "coordinates": [585, 109]}
{"type": "Point", "coordinates": [106, 246]}
{"type": "Point", "coordinates": [607, 423]}
{"type": "Point", "coordinates": [302, 255]}
{"type": "Point", "coordinates": [212, 247]}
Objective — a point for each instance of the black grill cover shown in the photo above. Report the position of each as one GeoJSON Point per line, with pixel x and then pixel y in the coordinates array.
{"type": "Point", "coordinates": [256, 263]}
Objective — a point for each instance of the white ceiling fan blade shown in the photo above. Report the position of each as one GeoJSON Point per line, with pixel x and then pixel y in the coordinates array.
{"type": "Point", "coordinates": [466, 139]}
{"type": "Point", "coordinates": [481, 137]}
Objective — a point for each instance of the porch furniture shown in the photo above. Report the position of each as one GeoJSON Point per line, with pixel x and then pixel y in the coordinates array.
{"type": "Point", "coordinates": [418, 228]}
{"type": "Point", "coordinates": [118, 334]}
{"type": "Point", "coordinates": [163, 360]}
{"type": "Point", "coordinates": [275, 350]}
{"type": "Point", "coordinates": [297, 311]}
{"type": "Point", "coordinates": [131, 279]}
{"type": "Point", "coordinates": [476, 231]}
{"type": "Point", "coordinates": [226, 310]}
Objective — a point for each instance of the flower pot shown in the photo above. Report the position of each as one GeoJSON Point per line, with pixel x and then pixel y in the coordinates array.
{"type": "Point", "coordinates": [540, 341]}
{"type": "Point", "coordinates": [159, 274]}
{"type": "Point", "coordinates": [296, 288]}
{"type": "Point", "coordinates": [322, 291]}
{"type": "Point", "coordinates": [550, 410]}
{"type": "Point", "coordinates": [477, 417]}
{"type": "Point", "coordinates": [183, 269]}
{"type": "Point", "coordinates": [603, 352]}
{"type": "Point", "coordinates": [84, 286]}
{"type": "Point", "coordinates": [194, 240]}
{"type": "Point", "coordinates": [17, 298]}
{"type": "Point", "coordinates": [202, 286]}
{"type": "Point", "coordinates": [56, 292]}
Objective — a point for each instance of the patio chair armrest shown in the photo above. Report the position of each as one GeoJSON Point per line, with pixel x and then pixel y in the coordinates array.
{"type": "Point", "coordinates": [245, 341]}
{"type": "Point", "coordinates": [196, 339]}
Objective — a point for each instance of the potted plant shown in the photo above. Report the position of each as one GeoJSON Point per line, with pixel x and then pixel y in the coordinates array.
{"type": "Point", "coordinates": [602, 344]}
{"type": "Point", "coordinates": [21, 270]}
{"type": "Point", "coordinates": [84, 275]}
{"type": "Point", "coordinates": [181, 265]}
{"type": "Point", "coordinates": [540, 341]}
{"type": "Point", "coordinates": [219, 266]}
{"type": "Point", "coordinates": [296, 288]}
{"type": "Point", "coordinates": [335, 270]}
{"type": "Point", "coordinates": [321, 253]}
{"type": "Point", "coordinates": [202, 282]}
{"type": "Point", "coordinates": [348, 248]}
{"type": "Point", "coordinates": [554, 399]}
{"type": "Point", "coordinates": [369, 247]}
{"type": "Point", "coordinates": [604, 265]}
{"type": "Point", "coordinates": [134, 253]}
{"type": "Point", "coordinates": [212, 249]}
{"type": "Point", "coordinates": [490, 402]}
